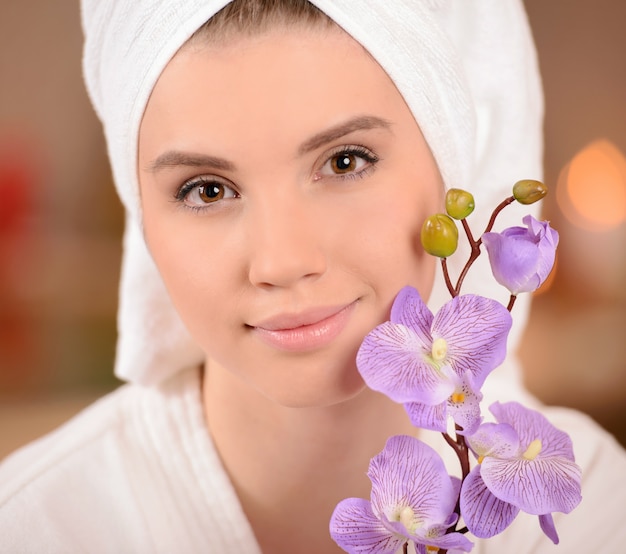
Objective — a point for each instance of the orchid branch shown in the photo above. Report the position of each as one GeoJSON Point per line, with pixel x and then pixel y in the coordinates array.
{"type": "Point", "coordinates": [476, 244]}
{"type": "Point", "coordinates": [475, 329]}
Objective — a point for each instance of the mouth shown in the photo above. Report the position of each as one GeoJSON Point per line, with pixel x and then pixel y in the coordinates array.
{"type": "Point", "coordinates": [305, 331]}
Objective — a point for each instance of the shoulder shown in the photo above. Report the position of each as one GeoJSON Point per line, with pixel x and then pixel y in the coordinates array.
{"type": "Point", "coordinates": [55, 480]}
{"type": "Point", "coordinates": [74, 485]}
{"type": "Point", "coordinates": [139, 462]}
{"type": "Point", "coordinates": [119, 425]}
{"type": "Point", "coordinates": [73, 440]}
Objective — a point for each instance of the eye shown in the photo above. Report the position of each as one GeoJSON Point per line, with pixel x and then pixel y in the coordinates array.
{"type": "Point", "coordinates": [344, 163]}
{"type": "Point", "coordinates": [201, 191]}
{"type": "Point", "coordinates": [348, 161]}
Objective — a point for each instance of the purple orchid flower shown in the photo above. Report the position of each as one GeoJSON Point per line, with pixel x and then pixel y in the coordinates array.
{"type": "Point", "coordinates": [463, 406]}
{"type": "Point", "coordinates": [412, 499]}
{"type": "Point", "coordinates": [525, 464]}
{"type": "Point", "coordinates": [521, 258]}
{"type": "Point", "coordinates": [436, 364]}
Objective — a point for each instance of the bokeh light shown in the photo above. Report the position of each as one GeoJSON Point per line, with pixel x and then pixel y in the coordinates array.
{"type": "Point", "coordinates": [591, 191]}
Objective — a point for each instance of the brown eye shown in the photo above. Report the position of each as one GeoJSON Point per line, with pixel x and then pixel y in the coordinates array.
{"type": "Point", "coordinates": [343, 163]}
{"type": "Point", "coordinates": [347, 162]}
{"type": "Point", "coordinates": [201, 191]}
{"type": "Point", "coordinates": [211, 192]}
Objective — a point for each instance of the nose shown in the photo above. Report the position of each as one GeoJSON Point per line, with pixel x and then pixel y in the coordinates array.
{"type": "Point", "coordinates": [286, 244]}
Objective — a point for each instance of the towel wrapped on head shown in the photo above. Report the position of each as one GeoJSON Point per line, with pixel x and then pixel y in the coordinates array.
{"type": "Point", "coordinates": [467, 70]}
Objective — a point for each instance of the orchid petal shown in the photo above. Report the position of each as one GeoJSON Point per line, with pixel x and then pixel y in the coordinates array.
{"type": "Point", "coordinates": [433, 535]}
{"type": "Point", "coordinates": [475, 329]}
{"type": "Point", "coordinates": [433, 418]}
{"type": "Point", "coordinates": [464, 407]}
{"type": "Point", "coordinates": [436, 536]}
{"type": "Point", "coordinates": [546, 522]}
{"type": "Point", "coordinates": [455, 541]}
{"type": "Point", "coordinates": [522, 258]}
{"type": "Point", "coordinates": [542, 231]}
{"type": "Point", "coordinates": [483, 513]}
{"type": "Point", "coordinates": [499, 440]}
{"type": "Point", "coordinates": [532, 425]}
{"type": "Point", "coordinates": [537, 486]}
{"type": "Point", "coordinates": [546, 240]}
{"type": "Point", "coordinates": [456, 487]}
{"type": "Point", "coordinates": [391, 360]}
{"type": "Point", "coordinates": [412, 498]}
{"type": "Point", "coordinates": [355, 528]}
{"type": "Point", "coordinates": [409, 310]}
{"type": "Point", "coordinates": [518, 264]}
{"type": "Point", "coordinates": [409, 473]}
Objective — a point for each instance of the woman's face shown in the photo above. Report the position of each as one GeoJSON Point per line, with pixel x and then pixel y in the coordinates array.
{"type": "Point", "coordinates": [284, 183]}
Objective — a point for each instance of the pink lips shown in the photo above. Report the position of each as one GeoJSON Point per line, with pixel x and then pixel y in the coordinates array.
{"type": "Point", "coordinates": [306, 331]}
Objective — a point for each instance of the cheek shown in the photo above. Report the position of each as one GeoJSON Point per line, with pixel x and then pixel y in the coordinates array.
{"type": "Point", "coordinates": [195, 271]}
{"type": "Point", "coordinates": [387, 243]}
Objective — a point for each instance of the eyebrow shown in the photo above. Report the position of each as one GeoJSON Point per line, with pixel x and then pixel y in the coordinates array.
{"type": "Point", "coordinates": [359, 123]}
{"type": "Point", "coordinates": [175, 158]}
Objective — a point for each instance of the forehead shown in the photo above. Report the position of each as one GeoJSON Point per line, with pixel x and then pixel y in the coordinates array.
{"type": "Point", "coordinates": [286, 81]}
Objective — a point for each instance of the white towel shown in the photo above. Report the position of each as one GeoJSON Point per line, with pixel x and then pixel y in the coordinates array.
{"type": "Point", "coordinates": [466, 68]}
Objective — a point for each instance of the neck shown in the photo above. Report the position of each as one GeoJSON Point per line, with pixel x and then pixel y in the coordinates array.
{"type": "Point", "coordinates": [299, 461]}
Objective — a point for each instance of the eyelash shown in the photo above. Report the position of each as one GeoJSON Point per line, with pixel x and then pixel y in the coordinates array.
{"type": "Point", "coordinates": [196, 183]}
{"type": "Point", "coordinates": [352, 150]}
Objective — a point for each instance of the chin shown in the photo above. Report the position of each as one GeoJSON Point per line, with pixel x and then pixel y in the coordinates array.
{"type": "Point", "coordinates": [320, 391]}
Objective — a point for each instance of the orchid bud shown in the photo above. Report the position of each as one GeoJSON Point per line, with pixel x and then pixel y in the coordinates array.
{"type": "Point", "coordinates": [459, 203]}
{"type": "Point", "coordinates": [440, 236]}
{"type": "Point", "coordinates": [529, 191]}
{"type": "Point", "coordinates": [521, 258]}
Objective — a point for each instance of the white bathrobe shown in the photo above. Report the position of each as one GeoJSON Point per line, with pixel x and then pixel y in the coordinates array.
{"type": "Point", "coordinates": [137, 473]}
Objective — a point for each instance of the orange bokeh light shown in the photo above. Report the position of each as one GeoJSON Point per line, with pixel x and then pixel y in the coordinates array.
{"type": "Point", "coordinates": [591, 191]}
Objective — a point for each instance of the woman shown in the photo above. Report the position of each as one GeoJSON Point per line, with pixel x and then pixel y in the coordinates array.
{"type": "Point", "coordinates": [277, 163]}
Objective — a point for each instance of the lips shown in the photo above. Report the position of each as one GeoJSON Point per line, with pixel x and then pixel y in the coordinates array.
{"type": "Point", "coordinates": [305, 331]}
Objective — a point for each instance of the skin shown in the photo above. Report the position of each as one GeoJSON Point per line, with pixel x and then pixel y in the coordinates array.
{"type": "Point", "coordinates": [269, 119]}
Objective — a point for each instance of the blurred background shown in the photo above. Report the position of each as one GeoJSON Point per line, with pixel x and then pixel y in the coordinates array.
{"type": "Point", "coordinates": [61, 223]}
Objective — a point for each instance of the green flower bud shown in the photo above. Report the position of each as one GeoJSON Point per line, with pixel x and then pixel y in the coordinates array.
{"type": "Point", "coordinates": [459, 203]}
{"type": "Point", "coordinates": [440, 236]}
{"type": "Point", "coordinates": [529, 191]}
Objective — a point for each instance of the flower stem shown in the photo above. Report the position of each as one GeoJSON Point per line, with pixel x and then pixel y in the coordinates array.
{"type": "Point", "coordinates": [462, 451]}
{"type": "Point", "coordinates": [473, 255]}
{"type": "Point", "coordinates": [475, 244]}
{"type": "Point", "coordinates": [405, 547]}
{"type": "Point", "coordinates": [468, 231]}
{"type": "Point", "coordinates": [495, 213]}
{"type": "Point", "coordinates": [446, 276]}
{"type": "Point", "coordinates": [460, 448]}
{"type": "Point", "coordinates": [511, 302]}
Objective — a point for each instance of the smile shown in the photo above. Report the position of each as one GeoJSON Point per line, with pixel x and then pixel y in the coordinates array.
{"type": "Point", "coordinates": [305, 331]}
